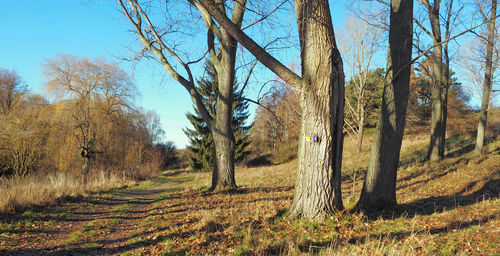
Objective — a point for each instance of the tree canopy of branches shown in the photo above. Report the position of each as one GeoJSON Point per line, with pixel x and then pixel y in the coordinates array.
{"type": "Point", "coordinates": [91, 124]}
{"type": "Point", "coordinates": [276, 127]}
{"type": "Point", "coordinates": [24, 134]}
{"type": "Point", "coordinates": [221, 47]}
{"type": "Point", "coordinates": [96, 92]}
{"type": "Point", "coordinates": [11, 90]}
{"type": "Point", "coordinates": [359, 43]}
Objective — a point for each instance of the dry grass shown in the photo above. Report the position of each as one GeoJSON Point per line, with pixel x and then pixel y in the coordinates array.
{"type": "Point", "coordinates": [21, 192]}
{"type": "Point", "coordinates": [446, 208]}
{"type": "Point", "coordinates": [451, 207]}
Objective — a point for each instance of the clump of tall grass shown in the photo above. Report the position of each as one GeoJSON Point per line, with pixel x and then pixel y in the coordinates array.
{"type": "Point", "coordinates": [46, 188]}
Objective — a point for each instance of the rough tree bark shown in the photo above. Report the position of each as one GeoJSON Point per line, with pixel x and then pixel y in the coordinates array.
{"type": "Point", "coordinates": [488, 75]}
{"type": "Point", "coordinates": [317, 188]}
{"type": "Point", "coordinates": [317, 191]}
{"type": "Point", "coordinates": [379, 189]}
{"type": "Point", "coordinates": [224, 63]}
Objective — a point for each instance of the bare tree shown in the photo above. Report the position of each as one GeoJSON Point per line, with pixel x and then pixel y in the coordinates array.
{"type": "Point", "coordinates": [441, 17]}
{"type": "Point", "coordinates": [92, 87]}
{"type": "Point", "coordinates": [379, 189]}
{"type": "Point", "coordinates": [488, 76]}
{"type": "Point", "coordinates": [23, 137]}
{"type": "Point", "coordinates": [222, 50]}
{"type": "Point", "coordinates": [11, 88]}
{"type": "Point", "coordinates": [359, 42]}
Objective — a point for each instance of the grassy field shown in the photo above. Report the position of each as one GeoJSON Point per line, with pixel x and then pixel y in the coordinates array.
{"type": "Point", "coordinates": [447, 208]}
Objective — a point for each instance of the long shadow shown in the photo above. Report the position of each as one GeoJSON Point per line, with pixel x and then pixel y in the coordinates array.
{"type": "Point", "coordinates": [69, 249]}
{"type": "Point", "coordinates": [430, 205]}
{"type": "Point", "coordinates": [175, 172]}
{"type": "Point", "coordinates": [455, 147]}
{"type": "Point", "coordinates": [464, 146]}
{"type": "Point", "coordinates": [417, 157]}
{"type": "Point", "coordinates": [435, 174]}
{"type": "Point", "coordinates": [433, 204]}
{"type": "Point", "coordinates": [249, 190]}
{"type": "Point", "coordinates": [316, 247]}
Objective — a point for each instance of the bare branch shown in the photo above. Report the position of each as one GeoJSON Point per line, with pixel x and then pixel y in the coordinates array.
{"type": "Point", "coordinates": [266, 16]}
{"type": "Point", "coordinates": [262, 55]}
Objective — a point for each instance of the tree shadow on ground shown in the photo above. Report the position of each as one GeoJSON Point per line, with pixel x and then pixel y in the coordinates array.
{"type": "Point", "coordinates": [434, 204]}
{"type": "Point", "coordinates": [455, 146]}
{"type": "Point", "coordinates": [459, 146]}
{"type": "Point", "coordinates": [451, 166]}
{"type": "Point", "coordinates": [315, 247]}
{"type": "Point", "coordinates": [75, 247]}
{"type": "Point", "coordinates": [426, 206]}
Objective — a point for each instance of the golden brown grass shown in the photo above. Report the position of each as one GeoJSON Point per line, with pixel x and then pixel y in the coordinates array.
{"type": "Point", "coordinates": [21, 192]}
{"type": "Point", "coordinates": [451, 207]}
{"type": "Point", "coordinates": [446, 208]}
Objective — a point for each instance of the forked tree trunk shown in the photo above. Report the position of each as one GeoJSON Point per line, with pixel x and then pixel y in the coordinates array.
{"type": "Point", "coordinates": [224, 61]}
{"type": "Point", "coordinates": [488, 75]}
{"type": "Point", "coordinates": [379, 189]}
{"type": "Point", "coordinates": [317, 188]}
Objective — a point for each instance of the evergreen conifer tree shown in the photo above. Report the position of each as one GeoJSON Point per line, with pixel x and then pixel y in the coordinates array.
{"type": "Point", "coordinates": [201, 143]}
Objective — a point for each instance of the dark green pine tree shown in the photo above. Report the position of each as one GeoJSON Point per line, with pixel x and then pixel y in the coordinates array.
{"type": "Point", "coordinates": [200, 139]}
{"type": "Point", "coordinates": [241, 130]}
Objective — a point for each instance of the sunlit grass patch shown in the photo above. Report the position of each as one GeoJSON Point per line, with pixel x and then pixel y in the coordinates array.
{"type": "Point", "coordinates": [23, 192]}
{"type": "Point", "coordinates": [91, 245]}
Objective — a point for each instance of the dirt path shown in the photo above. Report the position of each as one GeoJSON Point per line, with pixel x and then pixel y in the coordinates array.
{"type": "Point", "coordinates": [98, 225]}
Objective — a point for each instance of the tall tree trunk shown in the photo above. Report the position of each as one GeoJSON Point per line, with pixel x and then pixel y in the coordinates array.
{"type": "Point", "coordinates": [488, 75]}
{"type": "Point", "coordinates": [222, 132]}
{"type": "Point", "coordinates": [317, 188]}
{"type": "Point", "coordinates": [444, 100]}
{"type": "Point", "coordinates": [446, 85]}
{"type": "Point", "coordinates": [436, 147]}
{"type": "Point", "coordinates": [379, 189]}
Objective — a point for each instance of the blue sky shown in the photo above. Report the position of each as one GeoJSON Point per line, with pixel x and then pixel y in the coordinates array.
{"type": "Point", "coordinates": [35, 30]}
{"type": "Point", "coordinates": [39, 30]}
